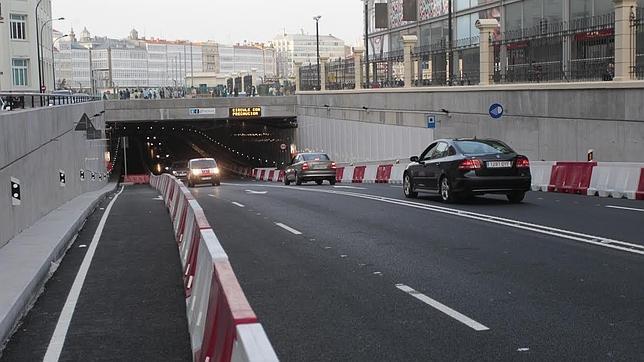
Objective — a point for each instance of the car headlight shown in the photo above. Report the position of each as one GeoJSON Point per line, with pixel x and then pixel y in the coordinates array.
{"type": "Point", "coordinates": [174, 173]}
{"type": "Point", "coordinates": [196, 171]}
{"type": "Point", "coordinates": [215, 170]}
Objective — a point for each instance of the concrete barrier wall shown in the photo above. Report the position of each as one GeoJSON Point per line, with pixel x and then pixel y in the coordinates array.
{"type": "Point", "coordinates": [34, 146]}
{"type": "Point", "coordinates": [543, 121]}
{"type": "Point", "coordinates": [179, 109]}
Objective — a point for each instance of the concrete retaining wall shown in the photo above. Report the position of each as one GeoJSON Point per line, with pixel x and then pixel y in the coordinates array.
{"type": "Point", "coordinates": [141, 110]}
{"type": "Point", "coordinates": [34, 146]}
{"type": "Point", "coordinates": [543, 121]}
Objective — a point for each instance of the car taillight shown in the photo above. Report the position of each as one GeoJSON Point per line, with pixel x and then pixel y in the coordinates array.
{"type": "Point", "coordinates": [470, 165]}
{"type": "Point", "coordinates": [305, 166]}
{"type": "Point", "coordinates": [333, 166]}
{"type": "Point", "coordinates": [522, 162]}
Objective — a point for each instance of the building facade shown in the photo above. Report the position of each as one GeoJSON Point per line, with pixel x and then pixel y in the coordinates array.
{"type": "Point", "coordinates": [302, 48]}
{"type": "Point", "coordinates": [236, 59]}
{"type": "Point", "coordinates": [19, 69]}
{"type": "Point", "coordinates": [535, 40]}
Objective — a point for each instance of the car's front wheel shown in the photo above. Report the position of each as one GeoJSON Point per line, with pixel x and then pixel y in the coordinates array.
{"type": "Point", "coordinates": [286, 180]}
{"type": "Point", "coordinates": [446, 190]}
{"type": "Point", "coordinates": [298, 180]}
{"type": "Point", "coordinates": [516, 197]}
{"type": "Point", "coordinates": [408, 187]}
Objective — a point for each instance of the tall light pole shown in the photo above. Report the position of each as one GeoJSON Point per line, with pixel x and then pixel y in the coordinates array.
{"type": "Point", "coordinates": [38, 49]}
{"type": "Point", "coordinates": [366, 43]}
{"type": "Point", "coordinates": [53, 62]}
{"type": "Point", "coordinates": [317, 41]}
{"type": "Point", "coordinates": [41, 72]}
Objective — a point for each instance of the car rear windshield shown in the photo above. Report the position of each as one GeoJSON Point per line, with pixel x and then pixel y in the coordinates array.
{"type": "Point", "coordinates": [482, 147]}
{"type": "Point", "coordinates": [203, 164]}
{"type": "Point", "coordinates": [315, 157]}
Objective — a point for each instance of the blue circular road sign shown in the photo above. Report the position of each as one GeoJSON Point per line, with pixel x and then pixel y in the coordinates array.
{"type": "Point", "coordinates": [496, 111]}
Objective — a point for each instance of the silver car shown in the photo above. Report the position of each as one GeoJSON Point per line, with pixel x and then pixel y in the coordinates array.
{"type": "Point", "coordinates": [310, 167]}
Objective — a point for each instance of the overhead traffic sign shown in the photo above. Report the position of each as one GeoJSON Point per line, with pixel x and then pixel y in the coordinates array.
{"type": "Point", "coordinates": [202, 111]}
{"type": "Point", "coordinates": [496, 111]}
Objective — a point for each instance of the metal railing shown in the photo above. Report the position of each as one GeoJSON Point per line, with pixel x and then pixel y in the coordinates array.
{"type": "Point", "coordinates": [433, 62]}
{"type": "Point", "coordinates": [340, 74]}
{"type": "Point", "coordinates": [11, 101]}
{"type": "Point", "coordinates": [308, 77]}
{"type": "Point", "coordinates": [577, 50]}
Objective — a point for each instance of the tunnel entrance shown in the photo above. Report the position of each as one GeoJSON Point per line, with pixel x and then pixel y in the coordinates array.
{"type": "Point", "coordinates": [156, 146]}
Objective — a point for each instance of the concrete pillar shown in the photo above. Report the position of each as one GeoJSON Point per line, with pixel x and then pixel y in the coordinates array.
{"type": "Point", "coordinates": [253, 73]}
{"type": "Point", "coordinates": [409, 41]}
{"type": "Point", "coordinates": [296, 70]}
{"type": "Point", "coordinates": [358, 53]}
{"type": "Point", "coordinates": [242, 74]}
{"type": "Point", "coordinates": [323, 61]}
{"type": "Point", "coordinates": [623, 44]}
{"type": "Point", "coordinates": [486, 53]}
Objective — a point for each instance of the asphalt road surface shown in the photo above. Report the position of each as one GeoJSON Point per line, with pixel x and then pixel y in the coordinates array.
{"type": "Point", "coordinates": [358, 272]}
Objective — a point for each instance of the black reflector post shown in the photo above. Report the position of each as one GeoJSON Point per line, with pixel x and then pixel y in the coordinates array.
{"type": "Point", "coordinates": [82, 175]}
{"type": "Point", "coordinates": [16, 196]}
{"type": "Point", "coordinates": [61, 178]}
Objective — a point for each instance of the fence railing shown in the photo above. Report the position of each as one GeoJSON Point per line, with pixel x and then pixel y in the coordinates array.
{"type": "Point", "coordinates": [340, 74]}
{"type": "Point", "coordinates": [309, 77]}
{"type": "Point", "coordinates": [578, 50]}
{"type": "Point", "coordinates": [12, 101]}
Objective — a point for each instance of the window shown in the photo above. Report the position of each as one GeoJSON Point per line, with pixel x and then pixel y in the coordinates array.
{"type": "Point", "coordinates": [428, 152]}
{"type": "Point", "coordinates": [440, 151]}
{"type": "Point", "coordinates": [18, 26]}
{"type": "Point", "coordinates": [483, 147]}
{"type": "Point", "coordinates": [316, 157]}
{"type": "Point", "coordinates": [20, 70]}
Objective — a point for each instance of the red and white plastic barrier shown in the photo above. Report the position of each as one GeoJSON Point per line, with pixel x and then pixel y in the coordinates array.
{"type": "Point", "coordinates": [604, 179]}
{"type": "Point", "coordinates": [222, 325]}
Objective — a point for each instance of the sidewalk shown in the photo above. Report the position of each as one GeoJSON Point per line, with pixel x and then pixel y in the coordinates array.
{"type": "Point", "coordinates": [131, 305]}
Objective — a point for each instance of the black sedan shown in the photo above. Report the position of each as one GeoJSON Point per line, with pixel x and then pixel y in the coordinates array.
{"type": "Point", "coordinates": [456, 168]}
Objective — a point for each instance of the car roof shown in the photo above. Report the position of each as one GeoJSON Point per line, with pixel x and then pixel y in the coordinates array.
{"type": "Point", "coordinates": [202, 159]}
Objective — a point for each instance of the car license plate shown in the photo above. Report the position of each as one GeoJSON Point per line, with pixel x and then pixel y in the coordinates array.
{"type": "Point", "coordinates": [499, 164]}
{"type": "Point", "coordinates": [319, 167]}
{"type": "Point", "coordinates": [206, 178]}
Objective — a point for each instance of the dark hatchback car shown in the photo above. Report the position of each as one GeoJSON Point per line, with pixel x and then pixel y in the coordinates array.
{"type": "Point", "coordinates": [456, 168]}
{"type": "Point", "coordinates": [179, 169]}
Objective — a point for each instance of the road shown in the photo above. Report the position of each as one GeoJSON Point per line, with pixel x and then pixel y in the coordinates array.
{"type": "Point", "coordinates": [357, 272]}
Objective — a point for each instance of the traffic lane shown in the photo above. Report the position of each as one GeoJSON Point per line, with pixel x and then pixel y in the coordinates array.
{"type": "Point", "coordinates": [604, 217]}
{"type": "Point", "coordinates": [524, 284]}
{"type": "Point", "coordinates": [30, 341]}
{"type": "Point", "coordinates": [132, 304]}
{"type": "Point", "coordinates": [318, 306]}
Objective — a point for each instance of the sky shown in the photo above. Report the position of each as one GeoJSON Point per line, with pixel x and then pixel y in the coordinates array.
{"type": "Point", "coordinates": [226, 22]}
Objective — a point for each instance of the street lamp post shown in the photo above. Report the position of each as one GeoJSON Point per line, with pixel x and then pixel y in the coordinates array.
{"type": "Point", "coordinates": [53, 62]}
{"type": "Point", "coordinates": [317, 41]}
{"type": "Point", "coordinates": [41, 72]}
{"type": "Point", "coordinates": [366, 43]}
{"type": "Point", "coordinates": [38, 49]}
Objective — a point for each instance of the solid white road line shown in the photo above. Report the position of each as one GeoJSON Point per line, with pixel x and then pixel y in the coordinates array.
{"type": "Point", "coordinates": [238, 204]}
{"type": "Point", "coordinates": [541, 229]}
{"type": "Point", "coordinates": [443, 308]}
{"type": "Point", "coordinates": [288, 228]}
{"type": "Point", "coordinates": [349, 187]}
{"type": "Point", "coordinates": [625, 208]}
{"type": "Point", "coordinates": [62, 326]}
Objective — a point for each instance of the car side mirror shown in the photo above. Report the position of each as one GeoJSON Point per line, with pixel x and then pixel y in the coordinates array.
{"type": "Point", "coordinates": [414, 159]}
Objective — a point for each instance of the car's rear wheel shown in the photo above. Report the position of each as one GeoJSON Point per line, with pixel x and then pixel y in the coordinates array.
{"type": "Point", "coordinates": [446, 190]}
{"type": "Point", "coordinates": [516, 197]}
{"type": "Point", "coordinates": [408, 187]}
{"type": "Point", "coordinates": [319, 182]}
{"type": "Point", "coordinates": [298, 180]}
{"type": "Point", "coordinates": [332, 182]}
